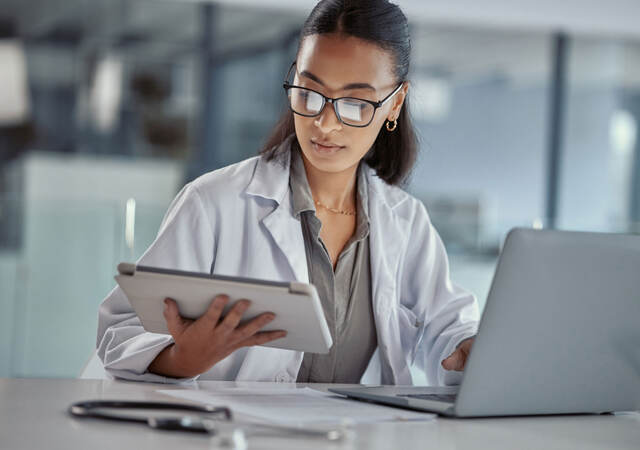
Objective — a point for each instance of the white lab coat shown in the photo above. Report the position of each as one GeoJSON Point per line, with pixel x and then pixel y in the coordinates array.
{"type": "Point", "coordinates": [238, 221]}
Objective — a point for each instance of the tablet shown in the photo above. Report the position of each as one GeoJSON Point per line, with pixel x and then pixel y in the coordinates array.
{"type": "Point", "coordinates": [296, 305]}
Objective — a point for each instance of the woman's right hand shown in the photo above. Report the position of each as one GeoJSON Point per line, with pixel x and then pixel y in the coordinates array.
{"type": "Point", "coordinates": [201, 343]}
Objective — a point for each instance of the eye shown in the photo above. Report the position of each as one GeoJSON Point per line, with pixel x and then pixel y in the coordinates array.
{"type": "Point", "coordinates": [313, 100]}
{"type": "Point", "coordinates": [353, 103]}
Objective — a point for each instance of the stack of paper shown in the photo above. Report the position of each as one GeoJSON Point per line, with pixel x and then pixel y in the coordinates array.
{"type": "Point", "coordinates": [293, 407]}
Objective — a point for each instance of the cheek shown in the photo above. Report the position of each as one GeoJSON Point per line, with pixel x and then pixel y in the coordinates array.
{"type": "Point", "coordinates": [303, 127]}
{"type": "Point", "coordinates": [365, 137]}
{"type": "Point", "coordinates": [369, 134]}
{"type": "Point", "coordinates": [304, 131]}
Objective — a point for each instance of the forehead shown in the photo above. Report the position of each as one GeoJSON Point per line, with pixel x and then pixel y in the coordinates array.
{"type": "Point", "coordinates": [338, 60]}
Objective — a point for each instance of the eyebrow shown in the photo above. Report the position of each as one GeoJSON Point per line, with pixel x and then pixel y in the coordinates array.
{"type": "Point", "coordinates": [311, 76]}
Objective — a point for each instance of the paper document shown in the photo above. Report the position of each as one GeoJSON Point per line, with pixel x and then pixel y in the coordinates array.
{"type": "Point", "coordinates": [301, 406]}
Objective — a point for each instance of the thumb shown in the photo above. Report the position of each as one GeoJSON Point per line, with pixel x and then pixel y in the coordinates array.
{"type": "Point", "coordinates": [175, 323]}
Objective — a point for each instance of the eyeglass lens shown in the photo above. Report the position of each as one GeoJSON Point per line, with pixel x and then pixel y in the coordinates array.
{"type": "Point", "coordinates": [351, 111]}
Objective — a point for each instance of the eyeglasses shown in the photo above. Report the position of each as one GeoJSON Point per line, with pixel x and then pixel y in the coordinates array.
{"type": "Point", "coordinates": [354, 112]}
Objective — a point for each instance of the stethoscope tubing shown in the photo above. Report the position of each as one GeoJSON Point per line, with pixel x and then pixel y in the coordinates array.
{"type": "Point", "coordinates": [96, 409]}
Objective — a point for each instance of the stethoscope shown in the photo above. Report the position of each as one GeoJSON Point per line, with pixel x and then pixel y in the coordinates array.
{"type": "Point", "coordinates": [213, 420]}
{"type": "Point", "coordinates": [107, 409]}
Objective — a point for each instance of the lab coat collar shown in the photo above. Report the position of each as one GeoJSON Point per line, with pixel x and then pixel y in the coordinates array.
{"type": "Point", "coordinates": [271, 180]}
{"type": "Point", "coordinates": [383, 192]}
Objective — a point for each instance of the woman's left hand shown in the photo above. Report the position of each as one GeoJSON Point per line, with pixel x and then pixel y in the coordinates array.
{"type": "Point", "coordinates": [458, 359]}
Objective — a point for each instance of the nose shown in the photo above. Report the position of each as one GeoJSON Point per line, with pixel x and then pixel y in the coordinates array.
{"type": "Point", "coordinates": [328, 121]}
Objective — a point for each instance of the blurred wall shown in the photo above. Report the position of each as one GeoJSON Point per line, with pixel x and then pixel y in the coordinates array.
{"type": "Point", "coordinates": [130, 99]}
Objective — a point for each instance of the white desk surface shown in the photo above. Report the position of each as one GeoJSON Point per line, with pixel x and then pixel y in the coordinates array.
{"type": "Point", "coordinates": [33, 415]}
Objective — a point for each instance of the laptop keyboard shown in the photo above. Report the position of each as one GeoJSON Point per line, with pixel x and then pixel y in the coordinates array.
{"type": "Point", "coordinates": [449, 398]}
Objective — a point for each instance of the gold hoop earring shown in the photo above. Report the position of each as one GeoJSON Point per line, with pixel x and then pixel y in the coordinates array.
{"type": "Point", "coordinates": [395, 124]}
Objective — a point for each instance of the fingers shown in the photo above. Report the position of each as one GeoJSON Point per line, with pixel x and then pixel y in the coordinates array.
{"type": "Point", "coordinates": [455, 361]}
{"type": "Point", "coordinates": [253, 326]}
{"type": "Point", "coordinates": [466, 345]}
{"type": "Point", "coordinates": [458, 359]}
{"type": "Point", "coordinates": [209, 319]}
{"type": "Point", "coordinates": [233, 317]}
{"type": "Point", "coordinates": [175, 323]}
{"type": "Point", "coordinates": [262, 338]}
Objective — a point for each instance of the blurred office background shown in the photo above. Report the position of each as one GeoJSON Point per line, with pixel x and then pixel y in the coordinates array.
{"type": "Point", "coordinates": [528, 116]}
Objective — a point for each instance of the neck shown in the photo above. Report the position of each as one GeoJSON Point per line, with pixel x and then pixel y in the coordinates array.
{"type": "Point", "coordinates": [334, 189]}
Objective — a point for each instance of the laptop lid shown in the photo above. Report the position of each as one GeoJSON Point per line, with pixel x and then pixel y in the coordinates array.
{"type": "Point", "coordinates": [560, 332]}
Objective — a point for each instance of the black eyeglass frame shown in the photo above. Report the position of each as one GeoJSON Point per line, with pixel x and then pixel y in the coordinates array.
{"type": "Point", "coordinates": [326, 100]}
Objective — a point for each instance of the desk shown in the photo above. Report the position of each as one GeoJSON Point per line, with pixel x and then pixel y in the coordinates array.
{"type": "Point", "coordinates": [33, 416]}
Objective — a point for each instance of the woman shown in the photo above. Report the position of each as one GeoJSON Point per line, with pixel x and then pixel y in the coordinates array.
{"type": "Point", "coordinates": [320, 205]}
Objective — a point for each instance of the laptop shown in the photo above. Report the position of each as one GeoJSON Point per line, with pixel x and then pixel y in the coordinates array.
{"type": "Point", "coordinates": [560, 333]}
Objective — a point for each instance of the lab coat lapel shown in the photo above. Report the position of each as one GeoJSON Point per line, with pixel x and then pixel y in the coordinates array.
{"type": "Point", "coordinates": [271, 180]}
{"type": "Point", "coordinates": [287, 234]}
{"type": "Point", "coordinates": [386, 237]}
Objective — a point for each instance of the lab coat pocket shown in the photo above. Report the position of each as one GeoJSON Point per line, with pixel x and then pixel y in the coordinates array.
{"type": "Point", "coordinates": [411, 330]}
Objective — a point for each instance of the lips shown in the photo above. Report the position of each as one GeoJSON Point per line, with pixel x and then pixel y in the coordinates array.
{"type": "Point", "coordinates": [326, 145]}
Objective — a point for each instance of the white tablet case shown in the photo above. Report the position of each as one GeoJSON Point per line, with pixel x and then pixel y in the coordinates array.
{"type": "Point", "coordinates": [296, 305]}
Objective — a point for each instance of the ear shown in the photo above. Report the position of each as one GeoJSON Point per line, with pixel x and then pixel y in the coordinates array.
{"type": "Point", "coordinates": [398, 101]}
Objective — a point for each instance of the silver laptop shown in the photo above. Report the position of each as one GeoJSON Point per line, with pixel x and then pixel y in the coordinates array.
{"type": "Point", "coordinates": [560, 333]}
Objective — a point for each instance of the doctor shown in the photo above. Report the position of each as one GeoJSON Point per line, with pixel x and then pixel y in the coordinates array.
{"type": "Point", "coordinates": [321, 204]}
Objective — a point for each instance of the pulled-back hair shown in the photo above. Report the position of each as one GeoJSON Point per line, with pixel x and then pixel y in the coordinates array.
{"type": "Point", "coordinates": [382, 23]}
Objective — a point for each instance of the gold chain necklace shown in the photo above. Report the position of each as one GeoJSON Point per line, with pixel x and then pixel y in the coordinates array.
{"type": "Point", "coordinates": [333, 210]}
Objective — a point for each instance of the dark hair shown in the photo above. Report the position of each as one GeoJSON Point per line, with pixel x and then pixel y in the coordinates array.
{"type": "Point", "coordinates": [393, 154]}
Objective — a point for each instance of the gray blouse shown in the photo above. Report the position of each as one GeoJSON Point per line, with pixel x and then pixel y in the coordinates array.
{"type": "Point", "coordinates": [345, 294]}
